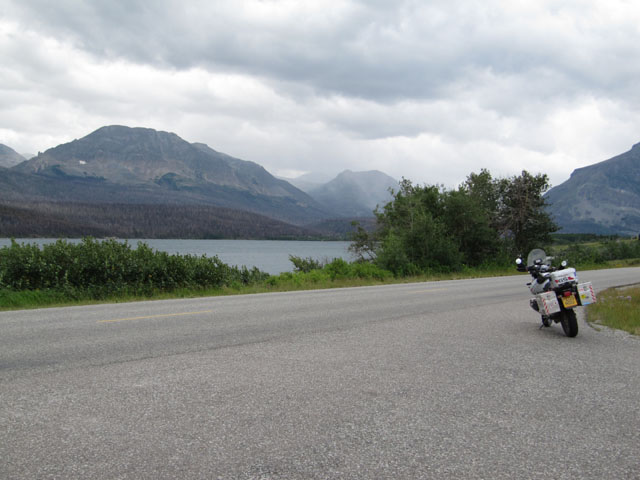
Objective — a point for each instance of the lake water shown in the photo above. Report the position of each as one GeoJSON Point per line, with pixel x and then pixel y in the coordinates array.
{"type": "Point", "coordinates": [271, 256]}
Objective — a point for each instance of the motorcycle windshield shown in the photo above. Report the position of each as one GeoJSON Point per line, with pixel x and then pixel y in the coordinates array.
{"type": "Point", "coordinates": [537, 254]}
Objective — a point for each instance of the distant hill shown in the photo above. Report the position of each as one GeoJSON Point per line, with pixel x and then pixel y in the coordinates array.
{"type": "Point", "coordinates": [355, 194]}
{"type": "Point", "coordinates": [9, 157]}
{"type": "Point", "coordinates": [603, 198]}
{"type": "Point", "coordinates": [117, 164]}
{"type": "Point", "coordinates": [309, 181]}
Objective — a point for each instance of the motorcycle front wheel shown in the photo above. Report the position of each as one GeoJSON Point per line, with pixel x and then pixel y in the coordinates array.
{"type": "Point", "coordinates": [569, 323]}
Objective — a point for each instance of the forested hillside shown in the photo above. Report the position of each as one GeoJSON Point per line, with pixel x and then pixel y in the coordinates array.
{"type": "Point", "coordinates": [48, 219]}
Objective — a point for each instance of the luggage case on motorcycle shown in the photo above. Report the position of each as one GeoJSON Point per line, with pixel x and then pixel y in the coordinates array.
{"type": "Point", "coordinates": [548, 303]}
{"type": "Point", "coordinates": [586, 294]}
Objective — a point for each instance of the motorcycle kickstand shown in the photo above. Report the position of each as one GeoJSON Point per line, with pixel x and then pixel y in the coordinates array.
{"type": "Point", "coordinates": [546, 322]}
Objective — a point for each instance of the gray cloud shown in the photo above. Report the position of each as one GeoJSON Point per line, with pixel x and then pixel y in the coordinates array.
{"type": "Point", "coordinates": [417, 89]}
{"type": "Point", "coordinates": [371, 50]}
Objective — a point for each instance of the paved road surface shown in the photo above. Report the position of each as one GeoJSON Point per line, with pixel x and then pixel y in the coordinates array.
{"type": "Point", "coordinates": [431, 380]}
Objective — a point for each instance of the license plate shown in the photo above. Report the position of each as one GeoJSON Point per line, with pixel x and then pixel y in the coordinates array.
{"type": "Point", "coordinates": [570, 301]}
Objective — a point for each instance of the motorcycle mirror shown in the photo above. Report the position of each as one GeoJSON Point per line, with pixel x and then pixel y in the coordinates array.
{"type": "Point", "coordinates": [564, 263]}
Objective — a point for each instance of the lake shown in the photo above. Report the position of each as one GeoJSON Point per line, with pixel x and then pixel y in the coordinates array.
{"type": "Point", "coordinates": [271, 256]}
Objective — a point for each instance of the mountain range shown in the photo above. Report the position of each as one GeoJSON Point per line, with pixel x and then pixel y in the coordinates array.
{"type": "Point", "coordinates": [123, 181]}
{"type": "Point", "coordinates": [603, 198]}
{"type": "Point", "coordinates": [118, 166]}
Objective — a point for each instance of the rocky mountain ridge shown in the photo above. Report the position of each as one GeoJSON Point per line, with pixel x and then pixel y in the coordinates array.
{"type": "Point", "coordinates": [603, 198]}
{"type": "Point", "coordinates": [136, 156]}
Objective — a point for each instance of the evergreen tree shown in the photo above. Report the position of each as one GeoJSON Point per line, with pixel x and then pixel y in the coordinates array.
{"type": "Point", "coordinates": [521, 213]}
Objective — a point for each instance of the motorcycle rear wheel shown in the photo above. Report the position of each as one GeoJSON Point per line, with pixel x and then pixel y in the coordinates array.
{"type": "Point", "coordinates": [569, 323]}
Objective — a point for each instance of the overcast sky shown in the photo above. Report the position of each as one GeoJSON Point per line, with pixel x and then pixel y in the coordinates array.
{"type": "Point", "coordinates": [427, 90]}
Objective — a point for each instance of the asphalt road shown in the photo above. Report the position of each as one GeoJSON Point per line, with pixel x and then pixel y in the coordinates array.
{"type": "Point", "coordinates": [432, 380]}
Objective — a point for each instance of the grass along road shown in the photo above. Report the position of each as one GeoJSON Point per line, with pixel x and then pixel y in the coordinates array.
{"type": "Point", "coordinates": [618, 308]}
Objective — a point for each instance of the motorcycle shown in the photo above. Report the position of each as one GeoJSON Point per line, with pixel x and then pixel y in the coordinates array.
{"type": "Point", "coordinates": [556, 291]}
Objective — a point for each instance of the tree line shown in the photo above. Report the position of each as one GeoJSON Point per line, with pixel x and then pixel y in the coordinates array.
{"type": "Point", "coordinates": [64, 219]}
{"type": "Point", "coordinates": [486, 220]}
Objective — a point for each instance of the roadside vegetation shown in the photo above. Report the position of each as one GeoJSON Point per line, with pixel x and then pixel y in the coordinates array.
{"type": "Point", "coordinates": [64, 273]}
{"type": "Point", "coordinates": [110, 271]}
{"type": "Point", "coordinates": [599, 251]}
{"type": "Point", "coordinates": [617, 308]}
{"type": "Point", "coordinates": [425, 232]}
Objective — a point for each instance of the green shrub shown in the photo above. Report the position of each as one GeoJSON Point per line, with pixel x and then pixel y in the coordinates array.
{"type": "Point", "coordinates": [392, 256]}
{"type": "Point", "coordinates": [317, 276]}
{"type": "Point", "coordinates": [369, 270]}
{"type": "Point", "coordinates": [104, 268]}
{"type": "Point", "coordinates": [338, 268]}
{"type": "Point", "coordinates": [305, 264]}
